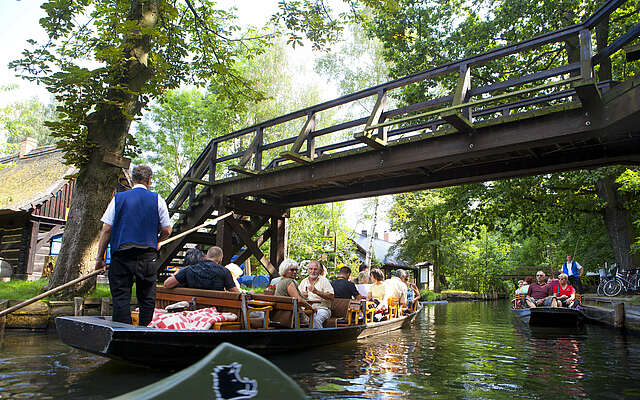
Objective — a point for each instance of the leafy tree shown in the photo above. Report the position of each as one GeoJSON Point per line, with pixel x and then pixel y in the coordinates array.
{"type": "Point", "coordinates": [177, 128]}
{"type": "Point", "coordinates": [26, 118]}
{"type": "Point", "coordinates": [630, 183]}
{"type": "Point", "coordinates": [104, 61]}
{"type": "Point", "coordinates": [417, 37]}
{"type": "Point", "coordinates": [573, 212]}
{"type": "Point", "coordinates": [311, 234]}
{"type": "Point", "coordinates": [427, 232]}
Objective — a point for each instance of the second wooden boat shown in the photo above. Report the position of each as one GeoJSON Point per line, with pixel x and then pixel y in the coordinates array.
{"type": "Point", "coordinates": [549, 316]}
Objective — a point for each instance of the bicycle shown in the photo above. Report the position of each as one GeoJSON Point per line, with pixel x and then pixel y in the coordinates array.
{"type": "Point", "coordinates": [627, 280]}
{"type": "Point", "coordinates": [605, 276]}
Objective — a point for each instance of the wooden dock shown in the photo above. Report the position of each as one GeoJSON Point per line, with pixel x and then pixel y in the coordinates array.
{"type": "Point", "coordinates": [619, 312]}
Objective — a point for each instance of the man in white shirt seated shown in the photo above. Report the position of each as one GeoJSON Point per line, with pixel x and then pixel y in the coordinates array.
{"type": "Point", "coordinates": [395, 288]}
{"type": "Point", "coordinates": [318, 289]}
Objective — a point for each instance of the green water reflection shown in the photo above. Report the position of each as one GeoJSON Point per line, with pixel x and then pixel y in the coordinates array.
{"type": "Point", "coordinates": [457, 350]}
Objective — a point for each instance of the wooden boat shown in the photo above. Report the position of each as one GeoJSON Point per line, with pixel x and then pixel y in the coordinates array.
{"type": "Point", "coordinates": [175, 347]}
{"type": "Point", "coordinates": [228, 372]}
{"type": "Point", "coordinates": [549, 316]}
{"type": "Point", "coordinates": [546, 316]}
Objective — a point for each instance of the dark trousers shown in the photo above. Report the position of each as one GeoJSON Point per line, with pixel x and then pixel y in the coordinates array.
{"type": "Point", "coordinates": [127, 265]}
{"type": "Point", "coordinates": [576, 283]}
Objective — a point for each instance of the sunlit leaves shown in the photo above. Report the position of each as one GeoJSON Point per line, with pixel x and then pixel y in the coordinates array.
{"type": "Point", "coordinates": [99, 56]}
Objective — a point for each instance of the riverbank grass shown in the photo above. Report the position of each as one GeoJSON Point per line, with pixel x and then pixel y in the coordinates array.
{"type": "Point", "coordinates": [428, 295]}
{"type": "Point", "coordinates": [23, 290]}
{"type": "Point", "coordinates": [460, 292]}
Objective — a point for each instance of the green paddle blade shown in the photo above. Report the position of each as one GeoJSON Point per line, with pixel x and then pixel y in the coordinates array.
{"type": "Point", "coordinates": [228, 372]}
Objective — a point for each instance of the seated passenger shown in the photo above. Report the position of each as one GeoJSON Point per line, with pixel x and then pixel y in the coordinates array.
{"type": "Point", "coordinates": [565, 293]}
{"type": "Point", "coordinates": [523, 286]}
{"type": "Point", "coordinates": [318, 289]}
{"type": "Point", "coordinates": [342, 287]}
{"type": "Point", "coordinates": [553, 281]}
{"type": "Point", "coordinates": [236, 272]}
{"type": "Point", "coordinates": [193, 256]}
{"type": "Point", "coordinates": [287, 285]}
{"type": "Point", "coordinates": [396, 288]}
{"type": "Point", "coordinates": [413, 293]}
{"type": "Point", "coordinates": [539, 293]}
{"type": "Point", "coordinates": [208, 274]}
{"type": "Point", "coordinates": [363, 277]}
{"type": "Point", "coordinates": [377, 291]}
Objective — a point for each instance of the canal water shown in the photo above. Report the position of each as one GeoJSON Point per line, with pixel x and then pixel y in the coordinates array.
{"type": "Point", "coordinates": [470, 350]}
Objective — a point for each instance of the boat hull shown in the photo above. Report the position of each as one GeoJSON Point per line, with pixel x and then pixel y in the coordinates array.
{"type": "Point", "coordinates": [171, 347]}
{"type": "Point", "coordinates": [549, 316]}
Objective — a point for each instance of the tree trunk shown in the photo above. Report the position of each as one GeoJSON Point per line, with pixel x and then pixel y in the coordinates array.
{"type": "Point", "coordinates": [107, 129]}
{"type": "Point", "coordinates": [617, 219]}
{"type": "Point", "coordinates": [602, 40]}
{"type": "Point", "coordinates": [369, 255]}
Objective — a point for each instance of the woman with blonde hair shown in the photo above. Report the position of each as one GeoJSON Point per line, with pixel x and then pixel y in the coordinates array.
{"type": "Point", "coordinates": [565, 293]}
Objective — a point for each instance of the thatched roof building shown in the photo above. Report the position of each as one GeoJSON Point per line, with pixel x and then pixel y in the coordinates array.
{"type": "Point", "coordinates": [34, 200]}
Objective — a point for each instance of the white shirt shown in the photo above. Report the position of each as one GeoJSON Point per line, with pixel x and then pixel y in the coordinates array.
{"type": "Point", "coordinates": [110, 213]}
{"type": "Point", "coordinates": [396, 289]}
{"type": "Point", "coordinates": [322, 284]}
{"type": "Point", "coordinates": [569, 269]}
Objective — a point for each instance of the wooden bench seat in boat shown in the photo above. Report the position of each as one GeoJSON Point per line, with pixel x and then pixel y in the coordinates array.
{"type": "Point", "coordinates": [395, 311]}
{"type": "Point", "coordinates": [345, 312]}
{"type": "Point", "coordinates": [518, 300]}
{"type": "Point", "coordinates": [230, 302]}
{"type": "Point", "coordinates": [285, 311]}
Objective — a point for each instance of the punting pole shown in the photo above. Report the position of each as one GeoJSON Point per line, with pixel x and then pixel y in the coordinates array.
{"type": "Point", "coordinates": [211, 222]}
{"type": "Point", "coordinates": [100, 271]}
{"type": "Point", "coordinates": [50, 292]}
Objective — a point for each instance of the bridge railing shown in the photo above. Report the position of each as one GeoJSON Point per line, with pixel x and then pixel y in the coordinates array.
{"type": "Point", "coordinates": [229, 156]}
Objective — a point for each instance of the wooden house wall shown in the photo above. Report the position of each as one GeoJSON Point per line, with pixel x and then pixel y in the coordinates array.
{"type": "Point", "coordinates": [56, 206]}
{"type": "Point", "coordinates": [16, 234]}
{"type": "Point", "coordinates": [14, 242]}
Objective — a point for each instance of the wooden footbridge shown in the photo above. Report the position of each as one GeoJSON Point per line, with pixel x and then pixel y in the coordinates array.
{"type": "Point", "coordinates": [543, 121]}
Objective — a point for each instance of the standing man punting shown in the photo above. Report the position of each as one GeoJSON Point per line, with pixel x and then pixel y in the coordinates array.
{"type": "Point", "coordinates": [132, 223]}
{"type": "Point", "coordinates": [574, 271]}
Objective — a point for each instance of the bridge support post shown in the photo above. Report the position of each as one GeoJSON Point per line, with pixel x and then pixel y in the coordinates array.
{"type": "Point", "coordinates": [224, 237]}
{"type": "Point", "coordinates": [278, 237]}
{"type": "Point", "coordinates": [586, 88]}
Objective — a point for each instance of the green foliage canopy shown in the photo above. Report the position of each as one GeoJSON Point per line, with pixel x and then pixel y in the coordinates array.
{"type": "Point", "coordinates": [91, 43]}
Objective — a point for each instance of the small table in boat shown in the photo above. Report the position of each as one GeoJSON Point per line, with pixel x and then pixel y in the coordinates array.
{"type": "Point", "coordinates": [260, 303]}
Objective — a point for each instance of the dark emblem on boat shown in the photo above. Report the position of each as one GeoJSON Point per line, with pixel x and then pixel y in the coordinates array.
{"type": "Point", "coordinates": [229, 385]}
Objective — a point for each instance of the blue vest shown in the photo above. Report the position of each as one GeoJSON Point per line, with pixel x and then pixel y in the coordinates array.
{"type": "Point", "coordinates": [136, 219]}
{"type": "Point", "coordinates": [574, 268]}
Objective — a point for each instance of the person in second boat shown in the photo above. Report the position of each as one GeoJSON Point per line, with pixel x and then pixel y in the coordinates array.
{"type": "Point", "coordinates": [565, 293]}
{"type": "Point", "coordinates": [318, 290]}
{"type": "Point", "coordinates": [539, 293]}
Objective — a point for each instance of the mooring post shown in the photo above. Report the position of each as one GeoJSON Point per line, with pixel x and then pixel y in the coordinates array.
{"type": "Point", "coordinates": [618, 315]}
{"type": "Point", "coordinates": [105, 302]}
{"type": "Point", "coordinates": [77, 306]}
{"type": "Point", "coordinates": [3, 319]}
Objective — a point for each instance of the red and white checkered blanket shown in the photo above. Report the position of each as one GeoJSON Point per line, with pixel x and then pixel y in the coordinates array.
{"type": "Point", "coordinates": [192, 320]}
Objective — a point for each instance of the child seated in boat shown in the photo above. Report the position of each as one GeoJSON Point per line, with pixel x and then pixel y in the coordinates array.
{"type": "Point", "coordinates": [565, 293]}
